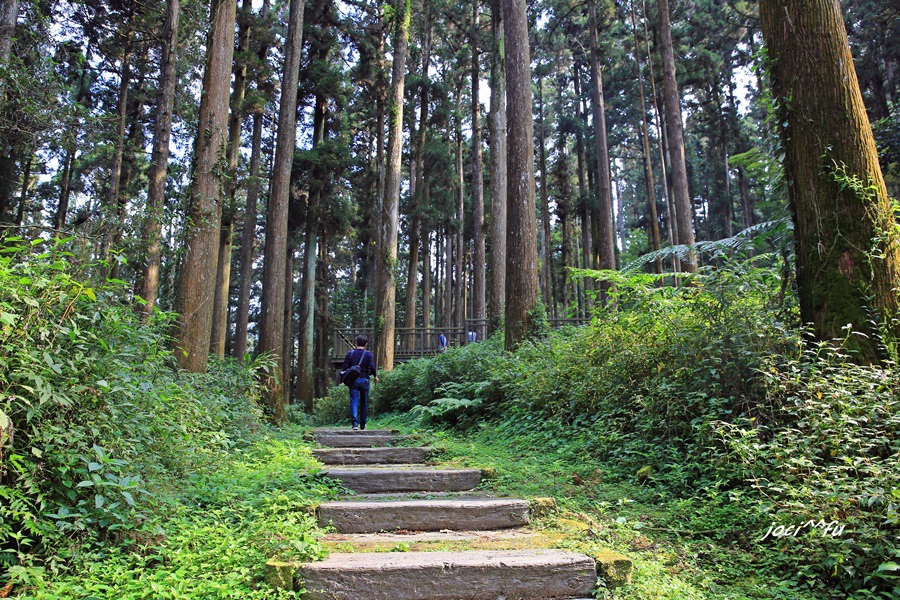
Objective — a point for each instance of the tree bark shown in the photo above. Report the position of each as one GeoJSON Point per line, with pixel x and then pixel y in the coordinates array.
{"type": "Point", "coordinates": [681, 195]}
{"type": "Point", "coordinates": [848, 253]}
{"type": "Point", "coordinates": [306, 376]}
{"type": "Point", "coordinates": [584, 197]}
{"type": "Point", "coordinates": [9, 14]}
{"type": "Point", "coordinates": [521, 235]}
{"type": "Point", "coordinates": [151, 230]}
{"type": "Point", "coordinates": [223, 277]}
{"type": "Point", "coordinates": [546, 279]}
{"type": "Point", "coordinates": [606, 241]}
{"type": "Point", "coordinates": [274, 261]}
{"type": "Point", "coordinates": [196, 280]}
{"type": "Point", "coordinates": [645, 148]}
{"type": "Point", "coordinates": [497, 132]}
{"type": "Point", "coordinates": [459, 313]}
{"type": "Point", "coordinates": [115, 176]}
{"type": "Point", "coordinates": [386, 264]}
{"type": "Point", "coordinates": [288, 319]}
{"type": "Point", "coordinates": [479, 293]}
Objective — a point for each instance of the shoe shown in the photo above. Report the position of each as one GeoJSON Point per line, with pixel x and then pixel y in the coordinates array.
{"type": "Point", "coordinates": [363, 428]}
{"type": "Point", "coordinates": [355, 428]}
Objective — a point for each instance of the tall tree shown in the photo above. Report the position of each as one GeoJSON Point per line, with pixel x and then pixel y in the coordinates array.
{"type": "Point", "coordinates": [248, 229]}
{"type": "Point", "coordinates": [386, 264]}
{"type": "Point", "coordinates": [197, 278]}
{"type": "Point", "coordinates": [226, 231]}
{"type": "Point", "coordinates": [521, 234]}
{"type": "Point", "coordinates": [606, 241]}
{"type": "Point", "coordinates": [271, 329]}
{"type": "Point", "coordinates": [148, 282]}
{"type": "Point", "coordinates": [681, 196]}
{"type": "Point", "coordinates": [479, 296]}
{"type": "Point", "coordinates": [848, 243]}
{"type": "Point", "coordinates": [497, 132]}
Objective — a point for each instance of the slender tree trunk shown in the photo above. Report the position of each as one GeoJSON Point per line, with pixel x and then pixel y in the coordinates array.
{"type": "Point", "coordinates": [546, 252]}
{"type": "Point", "coordinates": [288, 319]}
{"type": "Point", "coordinates": [223, 277]}
{"type": "Point", "coordinates": [459, 314]}
{"type": "Point", "coordinates": [606, 240]}
{"type": "Point", "coordinates": [323, 318]}
{"type": "Point", "coordinates": [26, 184]}
{"type": "Point", "coordinates": [306, 375]}
{"type": "Point", "coordinates": [521, 235]}
{"type": "Point", "coordinates": [746, 202]}
{"type": "Point", "coordinates": [381, 85]}
{"type": "Point", "coordinates": [448, 279]}
{"type": "Point", "coordinates": [9, 14]}
{"type": "Point", "coordinates": [497, 132]}
{"type": "Point", "coordinates": [196, 280]}
{"type": "Point", "coordinates": [584, 196]}
{"type": "Point", "coordinates": [645, 148]}
{"type": "Point", "coordinates": [682, 198]}
{"type": "Point", "coordinates": [115, 175]}
{"type": "Point", "coordinates": [151, 230]}
{"type": "Point", "coordinates": [248, 243]}
{"type": "Point", "coordinates": [426, 278]}
{"type": "Point", "coordinates": [848, 252]}
{"type": "Point", "coordinates": [479, 293]}
{"type": "Point", "coordinates": [418, 191]}
{"type": "Point", "coordinates": [387, 239]}
{"type": "Point", "coordinates": [274, 262]}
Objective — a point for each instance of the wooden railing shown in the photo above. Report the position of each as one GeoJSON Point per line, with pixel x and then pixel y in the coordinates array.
{"type": "Point", "coordinates": [423, 341]}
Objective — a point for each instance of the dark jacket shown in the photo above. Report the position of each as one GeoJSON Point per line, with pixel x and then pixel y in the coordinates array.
{"type": "Point", "coordinates": [368, 362]}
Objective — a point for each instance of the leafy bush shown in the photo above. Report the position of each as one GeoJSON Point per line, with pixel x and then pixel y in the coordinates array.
{"type": "Point", "coordinates": [712, 386]}
{"type": "Point", "coordinates": [333, 408]}
{"type": "Point", "coordinates": [91, 406]}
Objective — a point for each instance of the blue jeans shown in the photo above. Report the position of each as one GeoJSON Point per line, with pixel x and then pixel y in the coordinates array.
{"type": "Point", "coordinates": [359, 402]}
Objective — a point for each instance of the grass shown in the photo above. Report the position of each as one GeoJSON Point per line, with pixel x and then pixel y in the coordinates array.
{"type": "Point", "coordinates": [699, 548]}
{"type": "Point", "coordinates": [210, 534]}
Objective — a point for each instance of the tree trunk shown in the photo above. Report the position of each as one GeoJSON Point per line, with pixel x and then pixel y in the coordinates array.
{"type": "Point", "coordinates": [197, 278]}
{"type": "Point", "coordinates": [546, 253]}
{"type": "Point", "coordinates": [271, 322]}
{"type": "Point", "coordinates": [248, 244]}
{"type": "Point", "coordinates": [848, 253]}
{"type": "Point", "coordinates": [448, 279]}
{"type": "Point", "coordinates": [417, 191]}
{"type": "Point", "coordinates": [682, 198]}
{"type": "Point", "coordinates": [115, 175]}
{"type": "Point", "coordinates": [606, 240]}
{"type": "Point", "coordinates": [386, 264]}
{"type": "Point", "coordinates": [479, 293]}
{"type": "Point", "coordinates": [151, 230]}
{"type": "Point", "coordinates": [584, 196]}
{"type": "Point", "coordinates": [645, 148]}
{"type": "Point", "coordinates": [521, 235]}
{"type": "Point", "coordinates": [223, 277]}
{"type": "Point", "coordinates": [426, 278]}
{"type": "Point", "coordinates": [288, 318]}
{"type": "Point", "coordinates": [9, 14]}
{"type": "Point", "coordinates": [459, 314]}
{"type": "Point", "coordinates": [497, 127]}
{"type": "Point", "coordinates": [306, 376]}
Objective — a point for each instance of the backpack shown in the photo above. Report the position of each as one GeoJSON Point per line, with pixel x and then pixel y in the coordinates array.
{"type": "Point", "coordinates": [349, 376]}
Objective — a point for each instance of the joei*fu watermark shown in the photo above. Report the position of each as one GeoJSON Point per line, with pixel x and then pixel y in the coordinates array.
{"type": "Point", "coordinates": [823, 528]}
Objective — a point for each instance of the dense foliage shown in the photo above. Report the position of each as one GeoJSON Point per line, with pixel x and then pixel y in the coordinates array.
{"type": "Point", "coordinates": [94, 419]}
{"type": "Point", "coordinates": [708, 392]}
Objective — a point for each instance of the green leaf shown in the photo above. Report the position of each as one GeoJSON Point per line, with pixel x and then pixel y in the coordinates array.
{"type": "Point", "coordinates": [93, 466]}
{"type": "Point", "coordinates": [89, 292]}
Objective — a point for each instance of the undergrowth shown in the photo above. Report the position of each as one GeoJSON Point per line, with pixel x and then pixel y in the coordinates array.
{"type": "Point", "coordinates": [706, 393]}
{"type": "Point", "coordinates": [120, 476]}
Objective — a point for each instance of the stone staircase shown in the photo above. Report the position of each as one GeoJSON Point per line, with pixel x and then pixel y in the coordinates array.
{"type": "Point", "coordinates": [389, 511]}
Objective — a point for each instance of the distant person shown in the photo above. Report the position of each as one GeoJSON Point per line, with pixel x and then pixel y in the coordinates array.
{"type": "Point", "coordinates": [442, 342]}
{"type": "Point", "coordinates": [359, 389]}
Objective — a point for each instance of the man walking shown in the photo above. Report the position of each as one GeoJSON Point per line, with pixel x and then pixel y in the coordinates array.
{"type": "Point", "coordinates": [359, 389]}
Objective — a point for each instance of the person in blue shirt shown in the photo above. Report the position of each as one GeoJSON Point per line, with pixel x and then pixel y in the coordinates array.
{"type": "Point", "coordinates": [359, 390]}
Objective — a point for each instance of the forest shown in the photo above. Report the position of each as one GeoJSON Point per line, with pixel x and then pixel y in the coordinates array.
{"type": "Point", "coordinates": [660, 235]}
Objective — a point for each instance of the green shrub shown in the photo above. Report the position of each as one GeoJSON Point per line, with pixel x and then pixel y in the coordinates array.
{"type": "Point", "coordinates": [91, 406]}
{"type": "Point", "coordinates": [333, 408]}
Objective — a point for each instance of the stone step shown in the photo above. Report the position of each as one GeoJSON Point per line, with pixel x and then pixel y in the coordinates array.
{"type": "Point", "coordinates": [520, 538]}
{"type": "Point", "coordinates": [372, 456]}
{"type": "Point", "coordinates": [415, 479]}
{"type": "Point", "coordinates": [348, 431]}
{"type": "Point", "coordinates": [424, 515]}
{"type": "Point", "coordinates": [359, 439]}
{"type": "Point", "coordinates": [478, 575]}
